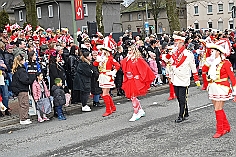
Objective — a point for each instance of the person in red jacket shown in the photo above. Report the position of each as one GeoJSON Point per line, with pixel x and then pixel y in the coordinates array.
{"type": "Point", "coordinates": [137, 79]}
{"type": "Point", "coordinates": [105, 63]}
{"type": "Point", "coordinates": [219, 88]}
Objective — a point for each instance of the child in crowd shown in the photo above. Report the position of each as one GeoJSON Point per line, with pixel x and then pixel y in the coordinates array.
{"type": "Point", "coordinates": [59, 98]}
{"type": "Point", "coordinates": [153, 66]}
{"type": "Point", "coordinates": [40, 90]}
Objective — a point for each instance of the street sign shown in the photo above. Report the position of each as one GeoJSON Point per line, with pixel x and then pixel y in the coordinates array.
{"type": "Point", "coordinates": [79, 10]}
{"type": "Point", "coordinates": [146, 25]}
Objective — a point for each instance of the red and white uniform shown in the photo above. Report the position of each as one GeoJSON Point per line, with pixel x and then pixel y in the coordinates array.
{"type": "Point", "coordinates": [105, 66]}
{"type": "Point", "coordinates": [95, 42]}
{"type": "Point", "coordinates": [138, 77]}
{"type": "Point", "coordinates": [219, 89]}
{"type": "Point", "coordinates": [182, 66]}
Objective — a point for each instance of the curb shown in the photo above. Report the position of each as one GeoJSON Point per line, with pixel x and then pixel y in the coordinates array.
{"type": "Point", "coordinates": [71, 109]}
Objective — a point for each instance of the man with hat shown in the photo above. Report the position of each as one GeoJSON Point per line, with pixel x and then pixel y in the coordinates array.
{"type": "Point", "coordinates": [182, 65]}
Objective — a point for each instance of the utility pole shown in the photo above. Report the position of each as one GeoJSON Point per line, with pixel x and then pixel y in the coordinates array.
{"type": "Point", "coordinates": [146, 23]}
{"type": "Point", "coordinates": [74, 22]}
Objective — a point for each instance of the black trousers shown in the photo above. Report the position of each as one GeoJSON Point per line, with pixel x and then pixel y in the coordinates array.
{"type": "Point", "coordinates": [182, 93]}
{"type": "Point", "coordinates": [84, 97]}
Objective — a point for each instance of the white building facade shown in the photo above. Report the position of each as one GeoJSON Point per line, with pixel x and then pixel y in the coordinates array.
{"type": "Point", "coordinates": [214, 14]}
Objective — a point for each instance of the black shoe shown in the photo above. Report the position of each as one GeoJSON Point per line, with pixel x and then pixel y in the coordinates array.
{"type": "Point", "coordinates": [1, 115]}
{"type": "Point", "coordinates": [94, 104]}
{"type": "Point", "coordinates": [187, 115]}
{"type": "Point", "coordinates": [179, 120]}
{"type": "Point", "coordinates": [7, 113]}
{"type": "Point", "coordinates": [99, 105]}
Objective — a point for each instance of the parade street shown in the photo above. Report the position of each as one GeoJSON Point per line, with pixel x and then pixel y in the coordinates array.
{"type": "Point", "coordinates": [156, 134]}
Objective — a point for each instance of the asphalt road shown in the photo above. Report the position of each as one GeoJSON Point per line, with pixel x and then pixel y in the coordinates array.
{"type": "Point", "coordinates": [90, 134]}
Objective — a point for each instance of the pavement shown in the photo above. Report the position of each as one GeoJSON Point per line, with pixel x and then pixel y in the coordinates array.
{"type": "Point", "coordinates": [68, 110]}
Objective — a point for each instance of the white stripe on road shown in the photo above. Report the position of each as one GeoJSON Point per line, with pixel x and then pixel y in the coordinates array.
{"type": "Point", "coordinates": [201, 107]}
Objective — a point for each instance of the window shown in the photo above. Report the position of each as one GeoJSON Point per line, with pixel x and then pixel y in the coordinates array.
{"type": "Point", "coordinates": [139, 17]}
{"type": "Point", "coordinates": [50, 11]}
{"type": "Point", "coordinates": [130, 17]}
{"type": "Point", "coordinates": [149, 15]}
{"type": "Point", "coordinates": [231, 4]}
{"type": "Point", "coordinates": [220, 25]}
{"type": "Point", "coordinates": [231, 24]}
{"type": "Point", "coordinates": [196, 25]}
{"type": "Point", "coordinates": [209, 24]}
{"type": "Point", "coordinates": [84, 28]}
{"type": "Point", "coordinates": [196, 10]}
{"type": "Point", "coordinates": [85, 9]}
{"type": "Point", "coordinates": [209, 8]}
{"type": "Point", "coordinates": [39, 12]}
{"type": "Point", "coordinates": [20, 15]}
{"type": "Point", "coordinates": [220, 8]}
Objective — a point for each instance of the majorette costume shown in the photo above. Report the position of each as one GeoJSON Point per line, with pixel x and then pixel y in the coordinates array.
{"type": "Point", "coordinates": [137, 79]}
{"type": "Point", "coordinates": [219, 88]}
{"type": "Point", "coordinates": [182, 65]}
{"type": "Point", "coordinates": [105, 64]}
{"type": "Point", "coordinates": [204, 65]}
{"type": "Point", "coordinates": [166, 59]}
{"type": "Point", "coordinates": [98, 40]}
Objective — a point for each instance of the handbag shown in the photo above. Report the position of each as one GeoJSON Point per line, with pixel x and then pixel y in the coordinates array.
{"type": "Point", "coordinates": [44, 105]}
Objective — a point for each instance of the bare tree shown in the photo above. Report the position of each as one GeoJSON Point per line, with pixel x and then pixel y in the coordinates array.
{"type": "Point", "coordinates": [31, 16]}
{"type": "Point", "coordinates": [173, 15]}
{"type": "Point", "coordinates": [156, 6]}
{"type": "Point", "coordinates": [99, 17]}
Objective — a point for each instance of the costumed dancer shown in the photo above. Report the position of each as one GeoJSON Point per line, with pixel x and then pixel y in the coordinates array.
{"type": "Point", "coordinates": [182, 65]}
{"type": "Point", "coordinates": [105, 63]}
{"type": "Point", "coordinates": [137, 79]}
{"type": "Point", "coordinates": [169, 73]}
{"type": "Point", "coordinates": [219, 88]}
{"type": "Point", "coordinates": [96, 40]}
{"type": "Point", "coordinates": [205, 62]}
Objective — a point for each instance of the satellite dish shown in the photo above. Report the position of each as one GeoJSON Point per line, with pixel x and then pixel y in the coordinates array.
{"type": "Point", "coordinates": [4, 4]}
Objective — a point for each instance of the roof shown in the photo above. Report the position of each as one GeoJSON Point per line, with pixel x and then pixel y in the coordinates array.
{"type": "Point", "coordinates": [7, 5]}
{"type": "Point", "coordinates": [137, 5]}
{"type": "Point", "coordinates": [20, 3]}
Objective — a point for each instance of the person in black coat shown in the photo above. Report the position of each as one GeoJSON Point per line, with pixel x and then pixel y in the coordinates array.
{"type": "Point", "coordinates": [118, 56]}
{"type": "Point", "coordinates": [55, 69]}
{"type": "Point", "coordinates": [73, 62]}
{"type": "Point", "coordinates": [20, 87]}
{"type": "Point", "coordinates": [9, 58]}
{"type": "Point", "coordinates": [82, 79]}
{"type": "Point", "coordinates": [59, 98]}
{"type": "Point", "coordinates": [95, 89]}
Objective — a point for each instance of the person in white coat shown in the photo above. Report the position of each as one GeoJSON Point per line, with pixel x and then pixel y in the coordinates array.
{"type": "Point", "coordinates": [183, 65]}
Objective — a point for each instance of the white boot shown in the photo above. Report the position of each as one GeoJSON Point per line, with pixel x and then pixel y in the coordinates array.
{"type": "Point", "coordinates": [141, 113]}
{"type": "Point", "coordinates": [134, 117]}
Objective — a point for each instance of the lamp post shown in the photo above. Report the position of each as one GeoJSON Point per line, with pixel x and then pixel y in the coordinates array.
{"type": "Point", "coordinates": [58, 13]}
{"type": "Point", "coordinates": [147, 29]}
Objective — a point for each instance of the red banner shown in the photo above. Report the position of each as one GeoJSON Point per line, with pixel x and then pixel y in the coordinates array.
{"type": "Point", "coordinates": [79, 10]}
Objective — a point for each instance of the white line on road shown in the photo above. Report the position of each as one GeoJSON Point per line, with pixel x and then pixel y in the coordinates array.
{"type": "Point", "coordinates": [198, 108]}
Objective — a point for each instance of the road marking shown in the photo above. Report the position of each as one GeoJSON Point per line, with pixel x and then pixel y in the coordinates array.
{"type": "Point", "coordinates": [198, 108]}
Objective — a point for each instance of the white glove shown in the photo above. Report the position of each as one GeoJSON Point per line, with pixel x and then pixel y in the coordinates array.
{"type": "Point", "coordinates": [234, 91]}
{"type": "Point", "coordinates": [112, 73]}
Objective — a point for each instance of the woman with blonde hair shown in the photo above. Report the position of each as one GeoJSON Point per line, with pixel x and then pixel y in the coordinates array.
{"type": "Point", "coordinates": [105, 63]}
{"type": "Point", "coordinates": [137, 79]}
{"type": "Point", "coordinates": [20, 87]}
